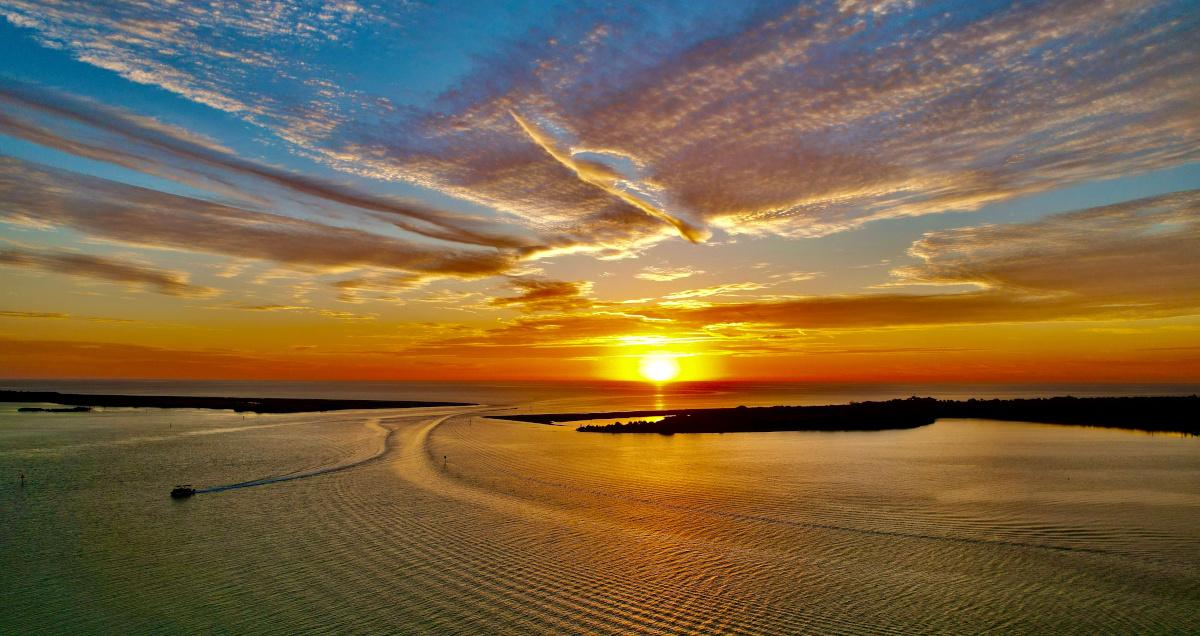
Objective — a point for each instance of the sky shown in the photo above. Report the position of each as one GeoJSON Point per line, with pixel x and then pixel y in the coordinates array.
{"type": "Point", "coordinates": [833, 191]}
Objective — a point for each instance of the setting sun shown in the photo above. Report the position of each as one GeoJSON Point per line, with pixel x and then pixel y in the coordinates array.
{"type": "Point", "coordinates": [659, 368]}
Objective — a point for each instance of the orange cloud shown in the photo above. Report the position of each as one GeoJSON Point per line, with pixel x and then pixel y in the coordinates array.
{"type": "Point", "coordinates": [547, 295]}
{"type": "Point", "coordinates": [665, 274]}
{"type": "Point", "coordinates": [1131, 261]}
{"type": "Point", "coordinates": [36, 315]}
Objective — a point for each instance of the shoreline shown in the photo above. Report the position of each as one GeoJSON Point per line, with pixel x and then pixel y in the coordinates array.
{"type": "Point", "coordinates": [1165, 414]}
{"type": "Point", "coordinates": [238, 405]}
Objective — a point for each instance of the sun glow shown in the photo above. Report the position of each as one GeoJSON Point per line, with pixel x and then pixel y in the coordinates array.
{"type": "Point", "coordinates": [659, 367]}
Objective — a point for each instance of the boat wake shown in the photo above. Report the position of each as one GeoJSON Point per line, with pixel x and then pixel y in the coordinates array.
{"type": "Point", "coordinates": [373, 423]}
{"type": "Point", "coordinates": [433, 471]}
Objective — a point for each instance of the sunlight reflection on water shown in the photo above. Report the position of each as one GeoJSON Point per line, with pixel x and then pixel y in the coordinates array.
{"type": "Point", "coordinates": [476, 525]}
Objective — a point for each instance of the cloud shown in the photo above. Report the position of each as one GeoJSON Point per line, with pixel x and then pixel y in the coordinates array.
{"type": "Point", "coordinates": [455, 300]}
{"type": "Point", "coordinates": [554, 333]}
{"type": "Point", "coordinates": [608, 177]}
{"type": "Point", "coordinates": [1137, 259]}
{"type": "Point", "coordinates": [714, 290]}
{"type": "Point", "coordinates": [346, 315]}
{"type": "Point", "coordinates": [807, 120]}
{"type": "Point", "coordinates": [382, 285]}
{"type": "Point", "coordinates": [149, 218]}
{"type": "Point", "coordinates": [230, 57]}
{"type": "Point", "coordinates": [618, 129]}
{"type": "Point", "coordinates": [54, 315]}
{"type": "Point", "coordinates": [146, 145]}
{"type": "Point", "coordinates": [448, 296]}
{"type": "Point", "coordinates": [37, 315]}
{"type": "Point", "coordinates": [270, 307]}
{"type": "Point", "coordinates": [325, 313]}
{"type": "Point", "coordinates": [615, 130]}
{"type": "Point", "coordinates": [1130, 261]}
{"type": "Point", "coordinates": [664, 274]}
{"type": "Point", "coordinates": [107, 269]}
{"type": "Point", "coordinates": [546, 295]}
{"type": "Point", "coordinates": [1134, 252]}
{"type": "Point", "coordinates": [50, 358]}
{"type": "Point", "coordinates": [794, 277]}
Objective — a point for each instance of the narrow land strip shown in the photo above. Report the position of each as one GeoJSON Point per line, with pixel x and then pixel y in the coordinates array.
{"type": "Point", "coordinates": [241, 405]}
{"type": "Point", "coordinates": [1167, 414]}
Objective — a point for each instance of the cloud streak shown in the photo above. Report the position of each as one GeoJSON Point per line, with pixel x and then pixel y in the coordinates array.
{"type": "Point", "coordinates": [1130, 261]}
{"type": "Point", "coordinates": [149, 218]}
{"type": "Point", "coordinates": [816, 119]}
{"type": "Point", "coordinates": [148, 146]}
{"type": "Point", "coordinates": [607, 178]}
{"type": "Point", "coordinates": [1138, 251]}
{"type": "Point", "coordinates": [34, 315]}
{"type": "Point", "coordinates": [106, 269]}
{"type": "Point", "coordinates": [1137, 259]}
{"type": "Point", "coordinates": [547, 295]}
{"type": "Point", "coordinates": [791, 120]}
{"type": "Point", "coordinates": [666, 274]}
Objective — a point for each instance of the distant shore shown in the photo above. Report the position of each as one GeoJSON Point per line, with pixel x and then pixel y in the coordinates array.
{"type": "Point", "coordinates": [1152, 414]}
{"type": "Point", "coordinates": [241, 405]}
{"type": "Point", "coordinates": [65, 409]}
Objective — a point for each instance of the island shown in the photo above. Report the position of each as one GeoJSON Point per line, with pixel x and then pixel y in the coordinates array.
{"type": "Point", "coordinates": [65, 409]}
{"type": "Point", "coordinates": [241, 405]}
{"type": "Point", "coordinates": [1166, 414]}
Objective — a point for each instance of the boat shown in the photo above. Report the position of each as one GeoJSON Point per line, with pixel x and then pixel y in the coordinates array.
{"type": "Point", "coordinates": [182, 491]}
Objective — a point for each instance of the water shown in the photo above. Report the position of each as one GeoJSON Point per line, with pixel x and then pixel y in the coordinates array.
{"type": "Point", "coordinates": [585, 396]}
{"type": "Point", "coordinates": [440, 521]}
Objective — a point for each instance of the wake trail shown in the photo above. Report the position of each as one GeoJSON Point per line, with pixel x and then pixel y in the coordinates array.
{"type": "Point", "coordinates": [425, 435]}
{"type": "Point", "coordinates": [371, 423]}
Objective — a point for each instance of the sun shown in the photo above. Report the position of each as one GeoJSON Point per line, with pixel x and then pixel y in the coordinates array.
{"type": "Point", "coordinates": [659, 367]}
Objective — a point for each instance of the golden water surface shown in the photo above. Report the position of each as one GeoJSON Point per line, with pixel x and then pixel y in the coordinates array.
{"type": "Point", "coordinates": [440, 521]}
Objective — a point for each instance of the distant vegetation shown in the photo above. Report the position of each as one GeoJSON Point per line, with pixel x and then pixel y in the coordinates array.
{"type": "Point", "coordinates": [247, 405]}
{"type": "Point", "coordinates": [859, 416]}
{"type": "Point", "coordinates": [1167, 414]}
{"type": "Point", "coordinates": [65, 409]}
{"type": "Point", "coordinates": [1156, 414]}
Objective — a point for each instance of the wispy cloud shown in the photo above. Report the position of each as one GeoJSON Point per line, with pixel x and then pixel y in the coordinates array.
{"type": "Point", "coordinates": [715, 290]}
{"type": "Point", "coordinates": [149, 218]}
{"type": "Point", "coordinates": [546, 295]}
{"type": "Point", "coordinates": [1138, 259]}
{"type": "Point", "coordinates": [304, 309]}
{"type": "Point", "coordinates": [814, 120]}
{"type": "Point", "coordinates": [269, 307]}
{"type": "Point", "coordinates": [151, 147]}
{"type": "Point", "coordinates": [229, 56]}
{"type": "Point", "coordinates": [36, 315]}
{"type": "Point", "coordinates": [608, 176]}
{"type": "Point", "coordinates": [56, 315]}
{"type": "Point", "coordinates": [614, 130]}
{"type": "Point", "coordinates": [1135, 260]}
{"type": "Point", "coordinates": [1144, 252]}
{"type": "Point", "coordinates": [106, 269]}
{"type": "Point", "coordinates": [664, 274]}
{"type": "Point", "coordinates": [795, 120]}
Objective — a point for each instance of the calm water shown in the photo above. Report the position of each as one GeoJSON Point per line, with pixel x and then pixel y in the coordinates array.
{"type": "Point", "coordinates": [440, 521]}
